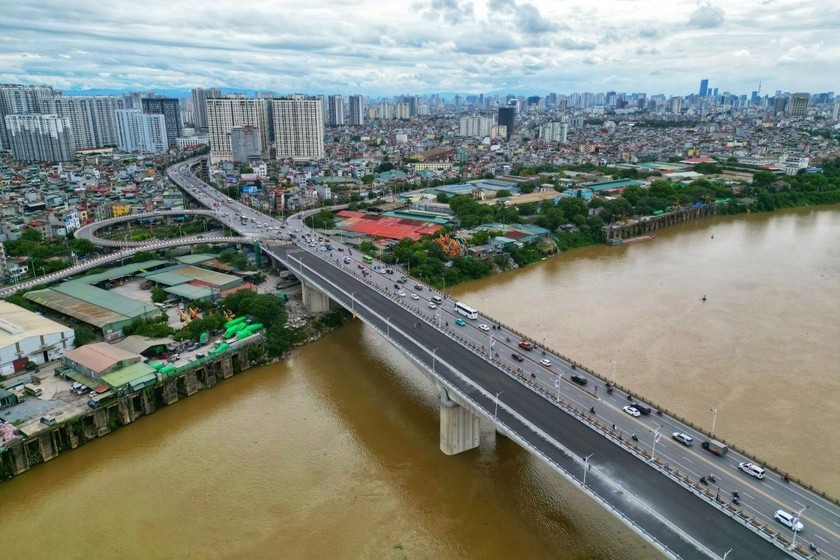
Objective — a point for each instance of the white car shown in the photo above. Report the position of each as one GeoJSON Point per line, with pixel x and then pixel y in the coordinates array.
{"type": "Point", "coordinates": [432, 305]}
{"type": "Point", "coordinates": [415, 296]}
{"type": "Point", "coordinates": [546, 362]}
{"type": "Point", "coordinates": [752, 469]}
{"type": "Point", "coordinates": [631, 411]}
{"type": "Point", "coordinates": [788, 520]}
{"type": "Point", "coordinates": [401, 293]}
{"type": "Point", "coordinates": [683, 438]}
{"type": "Point", "coordinates": [485, 328]}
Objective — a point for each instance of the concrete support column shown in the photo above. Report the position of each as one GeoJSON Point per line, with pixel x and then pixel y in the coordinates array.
{"type": "Point", "coordinates": [45, 442]}
{"type": "Point", "coordinates": [209, 377]}
{"type": "Point", "coordinates": [459, 428]}
{"type": "Point", "coordinates": [100, 422]}
{"type": "Point", "coordinates": [313, 300]}
{"type": "Point", "coordinates": [190, 383]}
{"type": "Point", "coordinates": [125, 411]}
{"type": "Point", "coordinates": [244, 362]}
{"type": "Point", "coordinates": [147, 403]}
{"type": "Point", "coordinates": [170, 391]}
{"type": "Point", "coordinates": [20, 460]}
{"type": "Point", "coordinates": [226, 366]}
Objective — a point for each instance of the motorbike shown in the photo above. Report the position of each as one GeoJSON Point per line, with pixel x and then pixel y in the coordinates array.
{"type": "Point", "coordinates": [703, 481]}
{"type": "Point", "coordinates": [735, 495]}
{"type": "Point", "coordinates": [609, 389]}
{"type": "Point", "coordinates": [711, 478]}
{"type": "Point", "coordinates": [813, 548]}
{"type": "Point", "coordinates": [592, 410]}
{"type": "Point", "coordinates": [736, 501]}
{"type": "Point", "coordinates": [634, 437]}
{"type": "Point", "coordinates": [659, 413]}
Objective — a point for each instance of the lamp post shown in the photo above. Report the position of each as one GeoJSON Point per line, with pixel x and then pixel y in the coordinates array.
{"type": "Point", "coordinates": [496, 409]}
{"type": "Point", "coordinates": [586, 467]}
{"type": "Point", "coordinates": [557, 385]}
{"type": "Point", "coordinates": [353, 303]}
{"type": "Point", "coordinates": [795, 521]}
{"type": "Point", "coordinates": [725, 554]}
{"type": "Point", "coordinates": [388, 326]}
{"type": "Point", "coordinates": [714, 419]}
{"type": "Point", "coordinates": [655, 439]}
{"type": "Point", "coordinates": [434, 358]}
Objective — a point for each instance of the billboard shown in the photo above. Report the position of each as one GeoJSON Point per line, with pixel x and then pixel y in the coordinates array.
{"type": "Point", "coordinates": [249, 189]}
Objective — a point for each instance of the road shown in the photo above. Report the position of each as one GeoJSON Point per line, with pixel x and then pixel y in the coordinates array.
{"type": "Point", "coordinates": [759, 499]}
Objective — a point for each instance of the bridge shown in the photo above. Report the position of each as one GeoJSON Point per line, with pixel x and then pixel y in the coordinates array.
{"type": "Point", "coordinates": [651, 483]}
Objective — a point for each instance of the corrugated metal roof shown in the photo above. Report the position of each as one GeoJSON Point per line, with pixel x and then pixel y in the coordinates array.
{"type": "Point", "coordinates": [209, 276]}
{"type": "Point", "coordinates": [114, 302]}
{"type": "Point", "coordinates": [139, 344]}
{"type": "Point", "coordinates": [195, 259]}
{"type": "Point", "coordinates": [73, 307]}
{"type": "Point", "coordinates": [99, 356]}
{"type": "Point", "coordinates": [169, 278]}
{"type": "Point", "coordinates": [127, 270]}
{"type": "Point", "coordinates": [17, 324]}
{"type": "Point", "coordinates": [189, 291]}
{"type": "Point", "coordinates": [131, 374]}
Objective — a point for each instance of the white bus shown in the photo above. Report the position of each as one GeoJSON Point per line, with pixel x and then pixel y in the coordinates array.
{"type": "Point", "coordinates": [466, 310]}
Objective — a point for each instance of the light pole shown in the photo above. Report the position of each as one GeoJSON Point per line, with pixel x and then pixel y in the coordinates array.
{"type": "Point", "coordinates": [353, 303]}
{"type": "Point", "coordinates": [434, 358]}
{"type": "Point", "coordinates": [586, 467]}
{"type": "Point", "coordinates": [655, 439]}
{"type": "Point", "coordinates": [725, 554]}
{"type": "Point", "coordinates": [795, 521]}
{"type": "Point", "coordinates": [714, 419]}
{"type": "Point", "coordinates": [496, 409]}
{"type": "Point", "coordinates": [557, 385]}
{"type": "Point", "coordinates": [388, 326]}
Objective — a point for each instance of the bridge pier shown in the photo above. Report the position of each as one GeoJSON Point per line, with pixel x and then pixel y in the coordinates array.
{"type": "Point", "coordinates": [314, 300]}
{"type": "Point", "coordinates": [459, 427]}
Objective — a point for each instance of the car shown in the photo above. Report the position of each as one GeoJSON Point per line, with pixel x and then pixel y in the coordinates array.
{"type": "Point", "coordinates": [346, 260]}
{"type": "Point", "coordinates": [684, 439]}
{"type": "Point", "coordinates": [752, 469]}
{"type": "Point", "coordinates": [403, 280]}
{"type": "Point", "coordinates": [631, 411]}
{"type": "Point", "coordinates": [415, 296]}
{"type": "Point", "coordinates": [485, 328]}
{"type": "Point", "coordinates": [517, 357]}
{"type": "Point", "coordinates": [526, 345]}
{"type": "Point", "coordinates": [432, 305]}
{"type": "Point", "coordinates": [546, 362]}
{"type": "Point", "coordinates": [341, 249]}
{"type": "Point", "coordinates": [581, 380]}
{"type": "Point", "coordinates": [93, 394]}
{"type": "Point", "coordinates": [401, 293]}
{"type": "Point", "coordinates": [397, 287]}
{"type": "Point", "coordinates": [460, 322]}
{"type": "Point", "coordinates": [93, 404]}
{"type": "Point", "coordinates": [788, 520]}
{"type": "Point", "coordinates": [418, 287]}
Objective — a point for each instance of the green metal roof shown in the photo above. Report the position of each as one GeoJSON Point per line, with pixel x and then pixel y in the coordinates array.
{"type": "Point", "coordinates": [198, 258]}
{"type": "Point", "coordinates": [129, 375]}
{"type": "Point", "coordinates": [120, 271]}
{"type": "Point", "coordinates": [169, 278]}
{"type": "Point", "coordinates": [123, 305]}
{"type": "Point", "coordinates": [189, 291]}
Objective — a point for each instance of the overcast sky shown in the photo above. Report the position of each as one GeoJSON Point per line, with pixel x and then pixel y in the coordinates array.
{"type": "Point", "coordinates": [423, 46]}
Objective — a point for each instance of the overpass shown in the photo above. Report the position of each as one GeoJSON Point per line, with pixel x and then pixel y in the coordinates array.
{"type": "Point", "coordinates": [89, 231]}
{"type": "Point", "coordinates": [652, 484]}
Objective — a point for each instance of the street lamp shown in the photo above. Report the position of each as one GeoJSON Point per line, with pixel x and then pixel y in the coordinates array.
{"type": "Point", "coordinates": [434, 358]}
{"type": "Point", "coordinates": [388, 326]}
{"type": "Point", "coordinates": [714, 419]}
{"type": "Point", "coordinates": [795, 521]}
{"type": "Point", "coordinates": [496, 409]}
{"type": "Point", "coordinates": [353, 303]}
{"type": "Point", "coordinates": [655, 439]}
{"type": "Point", "coordinates": [557, 385]}
{"type": "Point", "coordinates": [725, 554]}
{"type": "Point", "coordinates": [586, 467]}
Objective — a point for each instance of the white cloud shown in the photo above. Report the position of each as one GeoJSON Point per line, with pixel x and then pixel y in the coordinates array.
{"type": "Point", "coordinates": [706, 16]}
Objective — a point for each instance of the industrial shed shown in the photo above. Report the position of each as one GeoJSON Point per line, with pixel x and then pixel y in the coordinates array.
{"type": "Point", "coordinates": [26, 336]}
{"type": "Point", "coordinates": [101, 358]}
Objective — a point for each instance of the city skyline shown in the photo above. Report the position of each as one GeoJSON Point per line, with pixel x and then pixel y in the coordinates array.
{"type": "Point", "coordinates": [428, 46]}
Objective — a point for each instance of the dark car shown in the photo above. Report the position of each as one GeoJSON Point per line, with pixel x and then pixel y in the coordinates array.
{"type": "Point", "coordinates": [579, 380]}
{"type": "Point", "coordinates": [403, 280]}
{"type": "Point", "coordinates": [397, 286]}
{"type": "Point", "coordinates": [418, 287]}
{"type": "Point", "coordinates": [517, 357]}
{"type": "Point", "coordinates": [93, 404]}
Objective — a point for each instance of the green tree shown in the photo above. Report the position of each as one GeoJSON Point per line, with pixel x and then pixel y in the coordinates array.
{"type": "Point", "coordinates": [480, 238]}
{"type": "Point", "coordinates": [503, 193]}
{"type": "Point", "coordinates": [32, 234]}
{"type": "Point", "coordinates": [82, 247]}
{"type": "Point", "coordinates": [158, 295]}
{"type": "Point", "coordinates": [633, 193]}
{"type": "Point", "coordinates": [83, 334]}
{"type": "Point", "coordinates": [760, 178]}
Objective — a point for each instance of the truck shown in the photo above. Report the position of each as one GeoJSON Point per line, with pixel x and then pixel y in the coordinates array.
{"type": "Point", "coordinates": [205, 336]}
{"type": "Point", "coordinates": [716, 447]}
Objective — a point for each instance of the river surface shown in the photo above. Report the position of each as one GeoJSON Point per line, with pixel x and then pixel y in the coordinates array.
{"type": "Point", "coordinates": [333, 453]}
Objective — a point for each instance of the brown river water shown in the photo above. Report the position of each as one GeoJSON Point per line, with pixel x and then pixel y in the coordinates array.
{"type": "Point", "coordinates": [333, 453]}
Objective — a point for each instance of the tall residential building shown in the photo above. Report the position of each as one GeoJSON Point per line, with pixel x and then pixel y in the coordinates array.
{"type": "Point", "coordinates": [798, 104]}
{"type": "Point", "coordinates": [17, 99]}
{"type": "Point", "coordinates": [413, 105]}
{"type": "Point", "coordinates": [676, 104]}
{"type": "Point", "coordinates": [244, 143]}
{"type": "Point", "coordinates": [92, 119]}
{"type": "Point", "coordinates": [298, 127]}
{"type": "Point", "coordinates": [235, 111]}
{"type": "Point", "coordinates": [170, 109]}
{"type": "Point", "coordinates": [199, 99]}
{"type": "Point", "coordinates": [39, 137]}
{"type": "Point", "coordinates": [385, 111]}
{"type": "Point", "coordinates": [506, 115]}
{"type": "Point", "coordinates": [141, 132]}
{"type": "Point", "coordinates": [555, 132]}
{"type": "Point", "coordinates": [779, 104]}
{"type": "Point", "coordinates": [403, 111]}
{"type": "Point", "coordinates": [335, 111]}
{"type": "Point", "coordinates": [704, 88]}
{"type": "Point", "coordinates": [357, 110]}
{"type": "Point", "coordinates": [475, 126]}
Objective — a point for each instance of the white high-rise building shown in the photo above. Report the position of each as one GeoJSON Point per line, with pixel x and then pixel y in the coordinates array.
{"type": "Point", "coordinates": [39, 137]}
{"type": "Point", "coordinates": [555, 132]}
{"type": "Point", "coordinates": [235, 111]}
{"type": "Point", "coordinates": [335, 115]}
{"type": "Point", "coordinates": [17, 99]}
{"type": "Point", "coordinates": [357, 110]}
{"type": "Point", "coordinates": [403, 111]}
{"type": "Point", "coordinates": [476, 126]}
{"type": "Point", "coordinates": [385, 111]}
{"type": "Point", "coordinates": [92, 119]}
{"type": "Point", "coordinates": [298, 127]}
{"type": "Point", "coordinates": [141, 132]}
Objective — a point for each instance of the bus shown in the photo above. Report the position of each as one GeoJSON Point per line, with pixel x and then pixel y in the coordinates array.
{"type": "Point", "coordinates": [466, 310]}
{"type": "Point", "coordinates": [368, 259]}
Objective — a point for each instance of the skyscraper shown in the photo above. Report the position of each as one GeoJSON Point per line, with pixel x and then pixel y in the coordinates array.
{"type": "Point", "coordinates": [798, 104]}
{"type": "Point", "coordinates": [244, 143]}
{"type": "Point", "coordinates": [92, 119]}
{"type": "Point", "coordinates": [141, 132]}
{"type": "Point", "coordinates": [357, 110]}
{"type": "Point", "coordinates": [16, 99]}
{"type": "Point", "coordinates": [169, 108]}
{"type": "Point", "coordinates": [235, 111]}
{"type": "Point", "coordinates": [475, 126]}
{"type": "Point", "coordinates": [704, 88]}
{"type": "Point", "coordinates": [506, 115]}
{"type": "Point", "coordinates": [298, 127]}
{"type": "Point", "coordinates": [39, 137]}
{"type": "Point", "coordinates": [335, 111]}
{"type": "Point", "coordinates": [199, 99]}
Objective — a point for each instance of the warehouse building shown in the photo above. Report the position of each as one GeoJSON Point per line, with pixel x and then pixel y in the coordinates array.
{"type": "Point", "coordinates": [26, 336]}
{"type": "Point", "coordinates": [98, 359]}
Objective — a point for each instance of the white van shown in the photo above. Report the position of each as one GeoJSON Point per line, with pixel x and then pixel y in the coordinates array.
{"type": "Point", "coordinates": [752, 469]}
{"type": "Point", "coordinates": [437, 299]}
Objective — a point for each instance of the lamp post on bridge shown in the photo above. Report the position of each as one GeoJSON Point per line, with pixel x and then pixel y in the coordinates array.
{"type": "Point", "coordinates": [434, 359]}
{"type": "Point", "coordinates": [795, 521]}
{"type": "Point", "coordinates": [655, 439]}
{"type": "Point", "coordinates": [496, 409]}
{"type": "Point", "coordinates": [353, 303]}
{"type": "Point", "coordinates": [714, 419]}
{"type": "Point", "coordinates": [725, 554]}
{"type": "Point", "coordinates": [388, 326]}
{"type": "Point", "coordinates": [586, 467]}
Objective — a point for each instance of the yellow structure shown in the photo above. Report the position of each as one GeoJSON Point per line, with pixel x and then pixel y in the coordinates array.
{"type": "Point", "coordinates": [184, 318]}
{"type": "Point", "coordinates": [118, 210]}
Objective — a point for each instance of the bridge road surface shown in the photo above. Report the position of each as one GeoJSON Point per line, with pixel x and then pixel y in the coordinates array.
{"type": "Point", "coordinates": [759, 498]}
{"type": "Point", "coordinates": [624, 471]}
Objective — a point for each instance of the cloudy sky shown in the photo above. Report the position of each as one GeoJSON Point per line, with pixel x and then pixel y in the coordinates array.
{"type": "Point", "coordinates": [423, 46]}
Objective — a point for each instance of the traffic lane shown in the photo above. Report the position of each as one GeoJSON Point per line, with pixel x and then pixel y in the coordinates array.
{"type": "Point", "coordinates": [661, 493]}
